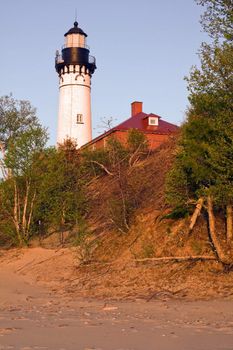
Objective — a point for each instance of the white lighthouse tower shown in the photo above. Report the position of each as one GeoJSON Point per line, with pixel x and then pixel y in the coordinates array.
{"type": "Point", "coordinates": [75, 67]}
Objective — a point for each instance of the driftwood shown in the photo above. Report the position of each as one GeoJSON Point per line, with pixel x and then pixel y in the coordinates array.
{"type": "Point", "coordinates": [222, 257]}
{"type": "Point", "coordinates": [196, 213]}
{"type": "Point", "coordinates": [178, 258]}
{"type": "Point", "coordinates": [165, 293]}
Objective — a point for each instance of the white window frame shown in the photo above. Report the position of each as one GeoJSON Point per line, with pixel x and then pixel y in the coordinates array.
{"type": "Point", "coordinates": [153, 121]}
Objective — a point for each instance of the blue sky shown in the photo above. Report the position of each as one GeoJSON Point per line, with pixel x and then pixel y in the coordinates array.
{"type": "Point", "coordinates": [143, 51]}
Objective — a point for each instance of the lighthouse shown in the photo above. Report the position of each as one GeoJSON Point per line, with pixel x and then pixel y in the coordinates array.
{"type": "Point", "coordinates": [75, 67]}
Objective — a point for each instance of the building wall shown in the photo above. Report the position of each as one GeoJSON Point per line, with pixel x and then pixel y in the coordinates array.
{"type": "Point", "coordinates": [154, 140]}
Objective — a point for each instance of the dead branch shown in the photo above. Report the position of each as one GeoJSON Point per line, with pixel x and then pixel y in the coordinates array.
{"type": "Point", "coordinates": [196, 213]}
{"type": "Point", "coordinates": [118, 228]}
{"type": "Point", "coordinates": [222, 257]}
{"type": "Point", "coordinates": [102, 167]}
{"type": "Point", "coordinates": [135, 153]}
{"type": "Point", "coordinates": [178, 258]}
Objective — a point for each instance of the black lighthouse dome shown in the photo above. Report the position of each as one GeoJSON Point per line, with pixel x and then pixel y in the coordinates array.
{"type": "Point", "coordinates": [75, 30]}
{"type": "Point", "coordinates": [75, 52]}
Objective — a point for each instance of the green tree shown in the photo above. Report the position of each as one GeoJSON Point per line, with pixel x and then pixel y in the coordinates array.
{"type": "Point", "coordinates": [16, 117]}
{"type": "Point", "coordinates": [217, 19]}
{"type": "Point", "coordinates": [19, 190]}
{"type": "Point", "coordinates": [137, 145]}
{"type": "Point", "coordinates": [61, 203]}
{"type": "Point", "coordinates": [203, 168]}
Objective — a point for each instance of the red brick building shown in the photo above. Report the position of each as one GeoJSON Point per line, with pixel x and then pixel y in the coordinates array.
{"type": "Point", "coordinates": [153, 126]}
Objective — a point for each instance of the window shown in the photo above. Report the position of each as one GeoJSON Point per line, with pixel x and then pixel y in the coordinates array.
{"type": "Point", "coordinates": [79, 119]}
{"type": "Point", "coordinates": [153, 121]}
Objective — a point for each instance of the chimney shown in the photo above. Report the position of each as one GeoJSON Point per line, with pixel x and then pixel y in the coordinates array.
{"type": "Point", "coordinates": [136, 107]}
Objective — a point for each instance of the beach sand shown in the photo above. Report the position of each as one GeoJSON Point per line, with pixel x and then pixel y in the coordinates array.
{"type": "Point", "coordinates": [33, 316]}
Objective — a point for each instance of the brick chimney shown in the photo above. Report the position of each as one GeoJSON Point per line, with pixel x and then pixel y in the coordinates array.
{"type": "Point", "coordinates": [136, 107]}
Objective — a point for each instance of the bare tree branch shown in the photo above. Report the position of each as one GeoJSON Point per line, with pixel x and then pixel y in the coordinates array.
{"type": "Point", "coordinates": [102, 167]}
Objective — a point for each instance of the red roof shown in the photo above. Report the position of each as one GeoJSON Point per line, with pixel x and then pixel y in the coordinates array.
{"type": "Point", "coordinates": [138, 122]}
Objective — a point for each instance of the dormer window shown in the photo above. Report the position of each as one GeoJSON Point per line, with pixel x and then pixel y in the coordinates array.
{"type": "Point", "coordinates": [153, 121]}
{"type": "Point", "coordinates": [79, 119]}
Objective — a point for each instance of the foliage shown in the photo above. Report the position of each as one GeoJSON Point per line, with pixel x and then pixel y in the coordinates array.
{"type": "Point", "coordinates": [16, 117]}
{"type": "Point", "coordinates": [106, 159]}
{"type": "Point", "coordinates": [204, 162]}
{"type": "Point", "coordinates": [136, 140]}
{"type": "Point", "coordinates": [177, 189]}
{"type": "Point", "coordinates": [84, 242]}
{"type": "Point", "coordinates": [19, 189]}
{"type": "Point", "coordinates": [23, 150]}
{"type": "Point", "coordinates": [217, 20]}
{"type": "Point", "coordinates": [91, 161]}
{"type": "Point", "coordinates": [44, 189]}
{"type": "Point", "coordinates": [177, 213]}
{"type": "Point", "coordinates": [116, 154]}
{"type": "Point", "coordinates": [61, 200]}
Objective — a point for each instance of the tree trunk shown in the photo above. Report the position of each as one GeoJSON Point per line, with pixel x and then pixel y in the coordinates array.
{"type": "Point", "coordinates": [122, 199]}
{"type": "Point", "coordinates": [30, 215]}
{"type": "Point", "coordinates": [229, 223]}
{"type": "Point", "coordinates": [217, 247]}
{"type": "Point", "coordinates": [15, 214]}
{"type": "Point", "coordinates": [25, 208]}
{"type": "Point", "coordinates": [196, 213]}
{"type": "Point", "coordinates": [62, 226]}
